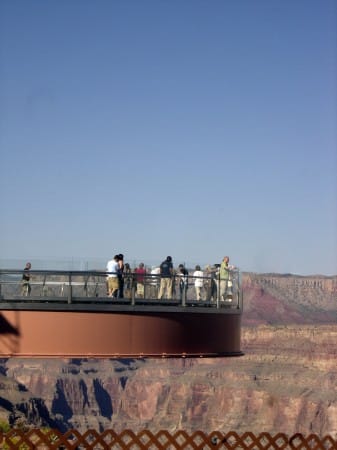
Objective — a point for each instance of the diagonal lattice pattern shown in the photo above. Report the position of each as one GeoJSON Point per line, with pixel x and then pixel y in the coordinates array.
{"type": "Point", "coordinates": [162, 440]}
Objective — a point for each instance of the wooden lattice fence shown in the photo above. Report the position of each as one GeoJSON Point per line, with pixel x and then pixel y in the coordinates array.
{"type": "Point", "coordinates": [127, 439]}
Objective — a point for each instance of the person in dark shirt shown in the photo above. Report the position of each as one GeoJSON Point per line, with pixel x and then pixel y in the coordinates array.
{"type": "Point", "coordinates": [25, 285]}
{"type": "Point", "coordinates": [120, 276]}
{"type": "Point", "coordinates": [166, 272]}
{"type": "Point", "coordinates": [127, 277]}
{"type": "Point", "coordinates": [182, 277]}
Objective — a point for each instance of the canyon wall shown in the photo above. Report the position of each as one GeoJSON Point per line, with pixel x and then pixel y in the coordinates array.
{"type": "Point", "coordinates": [285, 382]}
{"type": "Point", "coordinates": [283, 299]}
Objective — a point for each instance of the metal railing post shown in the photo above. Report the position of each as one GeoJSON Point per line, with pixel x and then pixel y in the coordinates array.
{"type": "Point", "coordinates": [44, 286]}
{"type": "Point", "coordinates": [240, 293]}
{"type": "Point", "coordinates": [241, 299]}
{"type": "Point", "coordinates": [133, 290]}
{"type": "Point", "coordinates": [183, 302]}
{"type": "Point", "coordinates": [86, 284]}
{"type": "Point", "coordinates": [69, 288]}
{"type": "Point", "coordinates": [96, 288]}
{"type": "Point", "coordinates": [218, 293]}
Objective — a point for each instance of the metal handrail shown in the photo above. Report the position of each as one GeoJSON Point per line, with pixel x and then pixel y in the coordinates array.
{"type": "Point", "coordinates": [65, 285]}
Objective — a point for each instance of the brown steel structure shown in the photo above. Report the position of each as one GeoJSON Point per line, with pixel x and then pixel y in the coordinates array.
{"type": "Point", "coordinates": [74, 326]}
{"type": "Point", "coordinates": [108, 334]}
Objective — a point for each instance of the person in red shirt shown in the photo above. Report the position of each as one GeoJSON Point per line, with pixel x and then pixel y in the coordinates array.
{"type": "Point", "coordinates": [140, 277]}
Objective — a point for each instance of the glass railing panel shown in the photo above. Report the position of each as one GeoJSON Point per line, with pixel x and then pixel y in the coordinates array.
{"type": "Point", "coordinates": [69, 286]}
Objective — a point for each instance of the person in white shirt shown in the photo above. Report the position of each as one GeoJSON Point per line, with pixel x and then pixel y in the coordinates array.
{"type": "Point", "coordinates": [198, 281]}
{"type": "Point", "coordinates": [154, 281]}
{"type": "Point", "coordinates": [112, 280]}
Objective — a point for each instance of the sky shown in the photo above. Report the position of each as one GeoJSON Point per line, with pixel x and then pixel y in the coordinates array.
{"type": "Point", "coordinates": [189, 128]}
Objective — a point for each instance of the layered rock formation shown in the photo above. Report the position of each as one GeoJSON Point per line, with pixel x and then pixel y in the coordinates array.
{"type": "Point", "coordinates": [285, 382]}
{"type": "Point", "coordinates": [283, 299]}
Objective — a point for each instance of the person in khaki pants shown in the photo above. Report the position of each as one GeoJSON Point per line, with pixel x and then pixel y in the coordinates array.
{"type": "Point", "coordinates": [166, 273]}
{"type": "Point", "coordinates": [140, 275]}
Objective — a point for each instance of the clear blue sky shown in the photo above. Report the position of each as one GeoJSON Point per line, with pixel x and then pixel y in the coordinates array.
{"type": "Point", "coordinates": [188, 128]}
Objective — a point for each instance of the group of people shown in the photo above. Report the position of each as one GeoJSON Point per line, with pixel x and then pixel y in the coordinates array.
{"type": "Point", "coordinates": [115, 280]}
{"type": "Point", "coordinates": [206, 283]}
{"type": "Point", "coordinates": [119, 280]}
{"type": "Point", "coordinates": [162, 280]}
